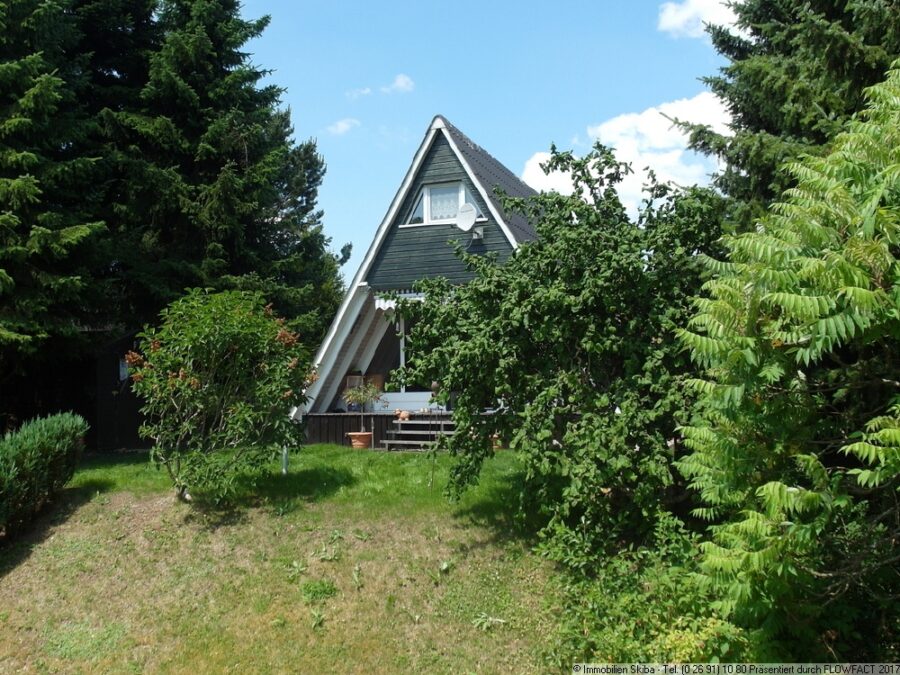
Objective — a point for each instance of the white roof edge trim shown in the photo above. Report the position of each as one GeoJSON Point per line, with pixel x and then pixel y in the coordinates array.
{"type": "Point", "coordinates": [477, 183]}
{"type": "Point", "coordinates": [382, 230]}
{"type": "Point", "coordinates": [384, 304]}
{"type": "Point", "coordinates": [336, 325]}
{"type": "Point", "coordinates": [359, 277]}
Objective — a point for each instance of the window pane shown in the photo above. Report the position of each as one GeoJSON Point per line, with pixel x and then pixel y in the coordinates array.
{"type": "Point", "coordinates": [444, 202]}
{"type": "Point", "coordinates": [418, 212]}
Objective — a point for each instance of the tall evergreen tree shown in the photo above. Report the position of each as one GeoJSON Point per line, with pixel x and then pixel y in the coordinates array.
{"type": "Point", "coordinates": [797, 72]}
{"type": "Point", "coordinates": [115, 39]}
{"type": "Point", "coordinates": [147, 116]}
{"type": "Point", "coordinates": [212, 190]}
{"type": "Point", "coordinates": [46, 192]}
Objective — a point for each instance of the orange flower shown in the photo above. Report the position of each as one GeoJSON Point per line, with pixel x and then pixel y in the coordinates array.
{"type": "Point", "coordinates": [134, 360]}
{"type": "Point", "coordinates": [286, 337]}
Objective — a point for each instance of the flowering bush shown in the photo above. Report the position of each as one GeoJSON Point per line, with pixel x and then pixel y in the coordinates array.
{"type": "Point", "coordinates": [217, 377]}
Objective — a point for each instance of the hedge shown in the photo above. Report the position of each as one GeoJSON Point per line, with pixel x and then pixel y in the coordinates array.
{"type": "Point", "coordinates": [36, 461]}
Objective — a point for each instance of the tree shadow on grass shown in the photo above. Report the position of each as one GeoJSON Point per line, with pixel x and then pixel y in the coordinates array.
{"type": "Point", "coordinates": [503, 508]}
{"type": "Point", "coordinates": [310, 485]}
{"type": "Point", "coordinates": [16, 549]}
{"type": "Point", "coordinates": [280, 494]}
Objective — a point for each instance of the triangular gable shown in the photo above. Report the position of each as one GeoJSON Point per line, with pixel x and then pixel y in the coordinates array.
{"type": "Point", "coordinates": [489, 173]}
{"type": "Point", "coordinates": [483, 171]}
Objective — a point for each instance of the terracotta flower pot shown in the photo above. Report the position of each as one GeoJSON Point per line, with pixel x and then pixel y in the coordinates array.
{"type": "Point", "coordinates": [360, 439]}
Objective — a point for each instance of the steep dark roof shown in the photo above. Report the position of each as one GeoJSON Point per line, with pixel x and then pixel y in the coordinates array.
{"type": "Point", "coordinates": [491, 173]}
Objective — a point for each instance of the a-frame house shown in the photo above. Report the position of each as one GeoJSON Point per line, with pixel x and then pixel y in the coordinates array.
{"type": "Point", "coordinates": [415, 241]}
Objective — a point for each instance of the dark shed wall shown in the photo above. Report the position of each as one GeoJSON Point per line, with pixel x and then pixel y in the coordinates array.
{"type": "Point", "coordinates": [118, 415]}
{"type": "Point", "coordinates": [413, 253]}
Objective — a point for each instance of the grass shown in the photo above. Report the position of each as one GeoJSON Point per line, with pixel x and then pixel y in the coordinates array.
{"type": "Point", "coordinates": [355, 561]}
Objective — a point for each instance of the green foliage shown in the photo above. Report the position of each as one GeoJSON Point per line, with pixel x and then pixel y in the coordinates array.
{"type": "Point", "coordinates": [205, 185]}
{"type": "Point", "coordinates": [570, 344]}
{"type": "Point", "coordinates": [141, 154]}
{"type": "Point", "coordinates": [795, 453]}
{"type": "Point", "coordinates": [795, 76]}
{"type": "Point", "coordinates": [484, 622]}
{"type": "Point", "coordinates": [362, 396]}
{"type": "Point", "coordinates": [36, 462]}
{"type": "Point", "coordinates": [645, 605]}
{"type": "Point", "coordinates": [217, 378]}
{"type": "Point", "coordinates": [45, 180]}
{"type": "Point", "coordinates": [317, 590]}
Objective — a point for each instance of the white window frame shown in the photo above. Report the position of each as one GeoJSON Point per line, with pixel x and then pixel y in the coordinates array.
{"type": "Point", "coordinates": [426, 205]}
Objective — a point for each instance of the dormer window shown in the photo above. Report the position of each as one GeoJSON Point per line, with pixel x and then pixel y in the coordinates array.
{"type": "Point", "coordinates": [440, 204]}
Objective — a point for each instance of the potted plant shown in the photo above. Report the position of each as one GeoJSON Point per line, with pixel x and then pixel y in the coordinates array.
{"type": "Point", "coordinates": [362, 395]}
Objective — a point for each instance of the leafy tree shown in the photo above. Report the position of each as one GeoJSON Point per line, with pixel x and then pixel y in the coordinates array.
{"type": "Point", "coordinates": [796, 452]}
{"type": "Point", "coordinates": [797, 72]}
{"type": "Point", "coordinates": [217, 378]}
{"type": "Point", "coordinates": [46, 195]}
{"type": "Point", "coordinates": [571, 343]}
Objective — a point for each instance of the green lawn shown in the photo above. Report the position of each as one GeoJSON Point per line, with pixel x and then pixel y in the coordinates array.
{"type": "Point", "coordinates": [354, 562]}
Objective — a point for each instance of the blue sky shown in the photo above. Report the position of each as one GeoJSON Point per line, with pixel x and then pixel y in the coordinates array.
{"type": "Point", "coordinates": [365, 79]}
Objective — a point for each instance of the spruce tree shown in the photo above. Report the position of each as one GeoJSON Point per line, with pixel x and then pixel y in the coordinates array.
{"type": "Point", "coordinates": [47, 195]}
{"type": "Point", "coordinates": [212, 190]}
{"type": "Point", "coordinates": [146, 116]}
{"type": "Point", "coordinates": [797, 72]}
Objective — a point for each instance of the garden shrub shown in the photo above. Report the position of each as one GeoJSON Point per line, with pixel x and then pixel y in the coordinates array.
{"type": "Point", "coordinates": [36, 461]}
{"type": "Point", "coordinates": [643, 604]}
{"type": "Point", "coordinates": [217, 377]}
{"type": "Point", "coordinates": [795, 444]}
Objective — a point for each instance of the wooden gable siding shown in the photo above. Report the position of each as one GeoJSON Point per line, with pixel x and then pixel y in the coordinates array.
{"type": "Point", "coordinates": [413, 253]}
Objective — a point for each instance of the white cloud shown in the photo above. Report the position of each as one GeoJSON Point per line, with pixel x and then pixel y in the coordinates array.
{"type": "Point", "coordinates": [356, 93]}
{"type": "Point", "coordinates": [401, 84]}
{"type": "Point", "coordinates": [647, 139]}
{"type": "Point", "coordinates": [341, 127]}
{"type": "Point", "coordinates": [686, 18]}
{"type": "Point", "coordinates": [535, 177]}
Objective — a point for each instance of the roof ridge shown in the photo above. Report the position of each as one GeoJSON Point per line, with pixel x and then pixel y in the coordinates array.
{"type": "Point", "coordinates": [489, 173]}
{"type": "Point", "coordinates": [474, 146]}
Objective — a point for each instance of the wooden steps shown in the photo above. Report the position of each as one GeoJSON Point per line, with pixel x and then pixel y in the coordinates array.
{"type": "Point", "coordinates": [417, 433]}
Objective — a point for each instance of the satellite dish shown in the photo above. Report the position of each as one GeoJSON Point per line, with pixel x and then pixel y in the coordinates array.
{"type": "Point", "coordinates": [466, 216]}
